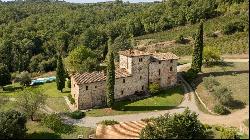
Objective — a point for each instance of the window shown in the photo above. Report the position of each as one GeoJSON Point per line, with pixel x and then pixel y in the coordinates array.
{"type": "Point", "coordinates": [171, 68]}
{"type": "Point", "coordinates": [171, 61]}
{"type": "Point", "coordinates": [159, 62]}
{"type": "Point", "coordinates": [74, 85]}
{"type": "Point", "coordinates": [95, 86]}
{"type": "Point", "coordinates": [159, 72]}
{"type": "Point", "coordinates": [87, 87]}
{"type": "Point", "coordinates": [123, 81]}
{"type": "Point", "coordinates": [122, 92]}
{"type": "Point", "coordinates": [142, 88]}
{"type": "Point", "coordinates": [140, 59]}
{"type": "Point", "coordinates": [140, 77]}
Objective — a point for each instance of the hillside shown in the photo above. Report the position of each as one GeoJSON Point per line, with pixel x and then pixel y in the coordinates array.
{"type": "Point", "coordinates": [34, 33]}
{"type": "Point", "coordinates": [236, 43]}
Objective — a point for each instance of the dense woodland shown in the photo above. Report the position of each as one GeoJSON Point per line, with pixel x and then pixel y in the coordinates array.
{"type": "Point", "coordinates": [33, 33]}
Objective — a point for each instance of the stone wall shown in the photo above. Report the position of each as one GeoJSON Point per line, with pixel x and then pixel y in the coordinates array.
{"type": "Point", "coordinates": [95, 95]}
{"type": "Point", "coordinates": [159, 72]}
{"type": "Point", "coordinates": [74, 91]}
{"type": "Point", "coordinates": [142, 72]}
{"type": "Point", "coordinates": [91, 95]}
{"type": "Point", "coordinates": [126, 62]}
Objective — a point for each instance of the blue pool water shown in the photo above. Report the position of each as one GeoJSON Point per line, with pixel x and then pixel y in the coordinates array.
{"type": "Point", "coordinates": [42, 80]}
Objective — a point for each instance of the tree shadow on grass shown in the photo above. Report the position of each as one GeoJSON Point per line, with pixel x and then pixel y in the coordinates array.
{"type": "Point", "coordinates": [144, 108]}
{"type": "Point", "coordinates": [43, 135]}
{"type": "Point", "coordinates": [199, 80]}
{"type": "Point", "coordinates": [220, 64]}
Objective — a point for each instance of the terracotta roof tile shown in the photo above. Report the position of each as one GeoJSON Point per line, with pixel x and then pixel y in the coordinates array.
{"type": "Point", "coordinates": [96, 76]}
{"type": "Point", "coordinates": [164, 56]}
{"type": "Point", "coordinates": [134, 53]}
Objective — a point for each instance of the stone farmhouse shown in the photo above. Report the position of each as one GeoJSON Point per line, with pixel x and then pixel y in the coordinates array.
{"type": "Point", "coordinates": [135, 72]}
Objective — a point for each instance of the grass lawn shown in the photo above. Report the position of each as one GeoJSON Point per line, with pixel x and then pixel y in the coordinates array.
{"type": "Point", "coordinates": [57, 104]}
{"type": "Point", "coordinates": [166, 99]}
{"type": "Point", "coordinates": [55, 98]}
{"type": "Point", "coordinates": [7, 106]}
{"type": "Point", "coordinates": [37, 131]}
{"type": "Point", "coordinates": [237, 83]}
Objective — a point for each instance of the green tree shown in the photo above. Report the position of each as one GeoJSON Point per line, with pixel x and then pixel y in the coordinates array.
{"type": "Point", "coordinates": [12, 125]}
{"type": "Point", "coordinates": [211, 55]}
{"type": "Point", "coordinates": [198, 50]}
{"type": "Point", "coordinates": [25, 78]}
{"type": "Point", "coordinates": [178, 126]}
{"type": "Point", "coordinates": [223, 95]}
{"type": "Point", "coordinates": [5, 75]}
{"type": "Point", "coordinates": [30, 101]}
{"type": "Point", "coordinates": [110, 81]}
{"type": "Point", "coordinates": [5, 51]}
{"type": "Point", "coordinates": [34, 63]}
{"type": "Point", "coordinates": [122, 42]}
{"type": "Point", "coordinates": [81, 59]}
{"type": "Point", "coordinates": [60, 74]}
{"type": "Point", "coordinates": [63, 41]}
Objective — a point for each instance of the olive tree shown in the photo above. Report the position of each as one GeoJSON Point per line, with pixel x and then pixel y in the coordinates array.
{"type": "Point", "coordinates": [30, 101]}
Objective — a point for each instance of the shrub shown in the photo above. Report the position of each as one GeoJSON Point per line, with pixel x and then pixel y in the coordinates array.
{"type": "Point", "coordinates": [12, 125]}
{"type": "Point", "coordinates": [211, 55]}
{"type": "Point", "coordinates": [69, 83]}
{"type": "Point", "coordinates": [71, 99]}
{"type": "Point", "coordinates": [54, 122]}
{"type": "Point", "coordinates": [220, 109]}
{"type": "Point", "coordinates": [154, 88]}
{"type": "Point", "coordinates": [25, 78]}
{"type": "Point", "coordinates": [109, 122]}
{"type": "Point", "coordinates": [223, 95]}
{"type": "Point", "coordinates": [228, 133]}
{"type": "Point", "coordinates": [190, 75]}
{"type": "Point", "coordinates": [233, 27]}
{"type": "Point", "coordinates": [178, 126]}
{"type": "Point", "coordinates": [77, 114]}
{"type": "Point", "coordinates": [210, 83]}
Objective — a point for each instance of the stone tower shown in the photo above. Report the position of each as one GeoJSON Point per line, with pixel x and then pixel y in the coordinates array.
{"type": "Point", "coordinates": [137, 64]}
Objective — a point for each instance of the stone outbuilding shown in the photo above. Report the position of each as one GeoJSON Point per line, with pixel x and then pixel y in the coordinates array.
{"type": "Point", "coordinates": [135, 72]}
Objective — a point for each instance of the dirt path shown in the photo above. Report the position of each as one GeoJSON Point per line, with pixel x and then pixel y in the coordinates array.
{"type": "Point", "coordinates": [235, 119]}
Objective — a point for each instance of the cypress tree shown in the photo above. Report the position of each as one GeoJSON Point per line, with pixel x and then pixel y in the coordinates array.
{"type": "Point", "coordinates": [60, 74]}
{"type": "Point", "coordinates": [5, 76]}
{"type": "Point", "coordinates": [198, 50]}
{"type": "Point", "coordinates": [110, 79]}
